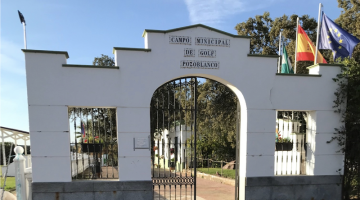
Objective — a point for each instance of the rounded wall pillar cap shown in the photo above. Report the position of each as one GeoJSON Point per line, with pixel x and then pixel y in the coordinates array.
{"type": "Point", "coordinates": [18, 150]}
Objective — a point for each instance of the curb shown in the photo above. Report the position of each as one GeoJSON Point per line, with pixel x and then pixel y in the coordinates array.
{"type": "Point", "coordinates": [222, 180]}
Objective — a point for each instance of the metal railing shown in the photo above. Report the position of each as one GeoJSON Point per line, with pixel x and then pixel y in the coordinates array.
{"type": "Point", "coordinates": [218, 164]}
{"type": "Point", "coordinates": [171, 166]}
{"type": "Point", "coordinates": [93, 147]}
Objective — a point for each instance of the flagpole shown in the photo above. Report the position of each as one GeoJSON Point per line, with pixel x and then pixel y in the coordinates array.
{"type": "Point", "coordinates": [317, 35]}
{"type": "Point", "coordinates": [22, 20]}
{"type": "Point", "coordinates": [296, 43]}
{"type": "Point", "coordinates": [279, 53]}
{"type": "Point", "coordinates": [24, 34]}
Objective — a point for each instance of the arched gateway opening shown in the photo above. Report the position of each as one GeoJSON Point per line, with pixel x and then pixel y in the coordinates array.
{"type": "Point", "coordinates": [195, 135]}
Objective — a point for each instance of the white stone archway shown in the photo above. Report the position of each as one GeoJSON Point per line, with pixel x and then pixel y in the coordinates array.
{"type": "Point", "coordinates": [243, 124]}
{"type": "Point", "coordinates": [53, 86]}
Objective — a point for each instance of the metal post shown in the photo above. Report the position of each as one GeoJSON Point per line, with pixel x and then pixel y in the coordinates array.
{"type": "Point", "coordinates": [76, 146]}
{"type": "Point", "coordinates": [24, 35]}
{"type": "Point", "coordinates": [195, 110]}
{"type": "Point", "coordinates": [105, 141]}
{"type": "Point", "coordinates": [27, 158]}
{"type": "Point", "coordinates": [221, 168]}
{"type": "Point", "coordinates": [317, 35]}
{"type": "Point", "coordinates": [7, 169]}
{"type": "Point", "coordinates": [25, 148]}
{"type": "Point", "coordinates": [3, 147]}
{"type": "Point", "coordinates": [296, 42]}
{"type": "Point", "coordinates": [279, 53]}
{"type": "Point", "coordinates": [208, 164]}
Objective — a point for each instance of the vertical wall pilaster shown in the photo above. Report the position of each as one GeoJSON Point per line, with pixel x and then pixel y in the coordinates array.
{"type": "Point", "coordinates": [261, 142]}
{"type": "Point", "coordinates": [310, 140]}
{"type": "Point", "coordinates": [133, 122]}
{"type": "Point", "coordinates": [50, 143]}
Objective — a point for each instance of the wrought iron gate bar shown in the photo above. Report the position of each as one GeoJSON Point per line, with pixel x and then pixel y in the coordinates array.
{"type": "Point", "coordinates": [195, 138]}
{"type": "Point", "coordinates": [173, 180]}
{"type": "Point", "coordinates": [177, 85]}
{"type": "Point", "coordinates": [93, 148]}
{"type": "Point", "coordinates": [172, 108]}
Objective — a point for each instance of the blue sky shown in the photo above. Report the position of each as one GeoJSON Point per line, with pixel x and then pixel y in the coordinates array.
{"type": "Point", "coordinates": [87, 29]}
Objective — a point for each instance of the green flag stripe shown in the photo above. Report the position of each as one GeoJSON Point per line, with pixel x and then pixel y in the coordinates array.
{"type": "Point", "coordinates": [286, 64]}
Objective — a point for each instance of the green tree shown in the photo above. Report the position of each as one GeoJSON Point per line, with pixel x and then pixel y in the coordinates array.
{"type": "Point", "coordinates": [7, 152]}
{"type": "Point", "coordinates": [349, 20]}
{"type": "Point", "coordinates": [348, 135]}
{"type": "Point", "coordinates": [216, 115]}
{"type": "Point", "coordinates": [349, 92]}
{"type": "Point", "coordinates": [104, 60]}
{"type": "Point", "coordinates": [216, 120]}
{"type": "Point", "coordinates": [265, 33]}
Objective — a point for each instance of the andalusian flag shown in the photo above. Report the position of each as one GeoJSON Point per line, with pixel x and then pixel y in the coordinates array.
{"type": "Point", "coordinates": [286, 64]}
{"type": "Point", "coordinates": [306, 49]}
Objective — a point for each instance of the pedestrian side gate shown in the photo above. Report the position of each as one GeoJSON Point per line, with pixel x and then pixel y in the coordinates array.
{"type": "Point", "coordinates": [173, 142]}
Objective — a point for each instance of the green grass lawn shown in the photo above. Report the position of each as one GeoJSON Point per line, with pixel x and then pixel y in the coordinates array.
{"type": "Point", "coordinates": [227, 173]}
{"type": "Point", "coordinates": [10, 182]}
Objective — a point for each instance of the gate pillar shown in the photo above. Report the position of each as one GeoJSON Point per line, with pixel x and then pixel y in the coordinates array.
{"type": "Point", "coordinates": [133, 129]}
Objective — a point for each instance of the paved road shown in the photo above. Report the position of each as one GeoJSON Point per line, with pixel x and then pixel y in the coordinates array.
{"type": "Point", "coordinates": [210, 190]}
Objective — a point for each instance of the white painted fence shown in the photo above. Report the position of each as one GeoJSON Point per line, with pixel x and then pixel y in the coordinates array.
{"type": "Point", "coordinates": [287, 163]}
{"type": "Point", "coordinates": [290, 162]}
{"type": "Point", "coordinates": [23, 174]}
{"type": "Point", "coordinates": [28, 181]}
{"type": "Point", "coordinates": [80, 163]}
{"type": "Point", "coordinates": [11, 166]}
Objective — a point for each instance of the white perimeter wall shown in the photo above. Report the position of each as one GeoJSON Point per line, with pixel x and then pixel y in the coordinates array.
{"type": "Point", "coordinates": [52, 88]}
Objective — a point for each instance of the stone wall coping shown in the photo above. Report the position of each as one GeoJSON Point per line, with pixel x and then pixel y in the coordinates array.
{"type": "Point", "coordinates": [45, 51]}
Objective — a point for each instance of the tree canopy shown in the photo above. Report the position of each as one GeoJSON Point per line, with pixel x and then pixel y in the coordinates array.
{"type": "Point", "coordinates": [104, 60]}
{"type": "Point", "coordinates": [265, 31]}
{"type": "Point", "coordinates": [217, 120]}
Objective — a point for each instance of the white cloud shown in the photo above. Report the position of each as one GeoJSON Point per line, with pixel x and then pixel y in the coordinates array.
{"type": "Point", "coordinates": [213, 12]}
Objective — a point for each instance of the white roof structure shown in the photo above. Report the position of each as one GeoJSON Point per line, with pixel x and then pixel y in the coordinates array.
{"type": "Point", "coordinates": [15, 135]}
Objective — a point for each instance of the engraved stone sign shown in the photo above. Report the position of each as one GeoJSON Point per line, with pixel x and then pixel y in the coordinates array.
{"type": "Point", "coordinates": [207, 53]}
{"type": "Point", "coordinates": [199, 64]}
{"type": "Point", "coordinates": [212, 41]}
{"type": "Point", "coordinates": [173, 39]}
{"type": "Point", "coordinates": [188, 52]}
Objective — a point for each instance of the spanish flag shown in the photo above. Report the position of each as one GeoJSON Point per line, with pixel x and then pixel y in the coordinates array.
{"type": "Point", "coordinates": [306, 49]}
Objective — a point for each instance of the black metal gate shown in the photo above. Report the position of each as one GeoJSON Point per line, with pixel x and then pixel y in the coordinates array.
{"type": "Point", "coordinates": [173, 132]}
{"type": "Point", "coordinates": [93, 143]}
